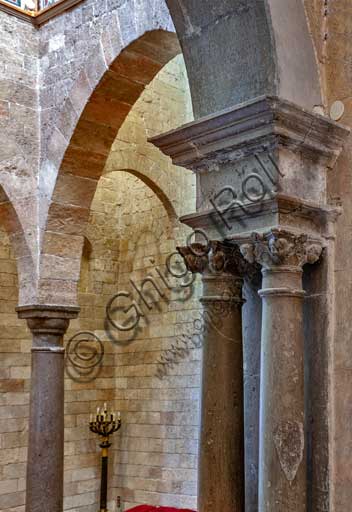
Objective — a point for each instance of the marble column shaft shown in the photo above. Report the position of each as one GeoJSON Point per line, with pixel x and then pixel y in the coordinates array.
{"type": "Point", "coordinates": [221, 450]}
{"type": "Point", "coordinates": [46, 417]}
{"type": "Point", "coordinates": [282, 452]}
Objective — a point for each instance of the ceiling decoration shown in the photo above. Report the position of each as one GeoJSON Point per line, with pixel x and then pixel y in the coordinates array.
{"type": "Point", "coordinates": [36, 12]}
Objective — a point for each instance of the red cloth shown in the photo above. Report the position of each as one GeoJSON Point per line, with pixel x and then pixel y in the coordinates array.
{"type": "Point", "coordinates": [148, 508]}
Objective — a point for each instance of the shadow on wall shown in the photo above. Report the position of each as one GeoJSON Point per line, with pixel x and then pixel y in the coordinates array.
{"type": "Point", "coordinates": [161, 195]}
{"type": "Point", "coordinates": [85, 350]}
{"type": "Point", "coordinates": [90, 144]}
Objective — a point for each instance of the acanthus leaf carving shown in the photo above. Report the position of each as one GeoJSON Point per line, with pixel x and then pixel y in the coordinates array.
{"type": "Point", "coordinates": [218, 258]}
{"type": "Point", "coordinates": [195, 257]}
{"type": "Point", "coordinates": [279, 247]}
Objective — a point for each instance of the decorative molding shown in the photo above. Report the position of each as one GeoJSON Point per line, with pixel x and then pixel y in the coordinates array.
{"type": "Point", "coordinates": [13, 10]}
{"type": "Point", "coordinates": [252, 127]}
{"type": "Point", "coordinates": [279, 207]}
{"type": "Point", "coordinates": [48, 324]}
{"type": "Point", "coordinates": [38, 18]}
{"type": "Point", "coordinates": [196, 257]}
{"type": "Point", "coordinates": [50, 12]}
{"type": "Point", "coordinates": [47, 311]}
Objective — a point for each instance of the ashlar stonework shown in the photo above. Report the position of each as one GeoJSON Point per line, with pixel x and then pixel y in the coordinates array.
{"type": "Point", "coordinates": [126, 125]}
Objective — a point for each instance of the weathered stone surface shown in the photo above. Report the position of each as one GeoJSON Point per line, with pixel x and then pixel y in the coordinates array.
{"type": "Point", "coordinates": [46, 422]}
{"type": "Point", "coordinates": [282, 448]}
{"type": "Point", "coordinates": [337, 66]}
{"type": "Point", "coordinates": [160, 416]}
{"type": "Point", "coordinates": [289, 443]}
{"type": "Point", "coordinates": [223, 150]}
{"type": "Point", "coordinates": [248, 49]}
{"type": "Point", "coordinates": [103, 33]}
{"type": "Point", "coordinates": [222, 376]}
{"type": "Point", "coordinates": [251, 321]}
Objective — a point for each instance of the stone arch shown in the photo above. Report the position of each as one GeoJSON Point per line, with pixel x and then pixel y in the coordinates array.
{"type": "Point", "coordinates": [152, 183]}
{"type": "Point", "coordinates": [10, 221]}
{"type": "Point", "coordinates": [234, 50]}
{"type": "Point", "coordinates": [85, 155]}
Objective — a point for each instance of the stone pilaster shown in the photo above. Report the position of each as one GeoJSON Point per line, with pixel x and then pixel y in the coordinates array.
{"type": "Point", "coordinates": [221, 451]}
{"type": "Point", "coordinates": [46, 419]}
{"type": "Point", "coordinates": [263, 165]}
{"type": "Point", "coordinates": [282, 452]}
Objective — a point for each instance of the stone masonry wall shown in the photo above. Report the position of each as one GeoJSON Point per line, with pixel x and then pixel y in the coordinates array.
{"type": "Point", "coordinates": [130, 235]}
{"type": "Point", "coordinates": [132, 230]}
{"type": "Point", "coordinates": [338, 71]}
{"type": "Point", "coordinates": [19, 130]}
{"type": "Point", "coordinates": [18, 104]}
{"type": "Point", "coordinates": [18, 163]}
{"type": "Point", "coordinates": [69, 41]}
{"type": "Point", "coordinates": [14, 385]}
{"type": "Point", "coordinates": [330, 24]}
{"type": "Point", "coordinates": [156, 458]}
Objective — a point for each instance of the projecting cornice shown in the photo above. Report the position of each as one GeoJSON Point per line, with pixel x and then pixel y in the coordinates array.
{"type": "Point", "coordinates": [288, 212]}
{"type": "Point", "coordinates": [261, 124]}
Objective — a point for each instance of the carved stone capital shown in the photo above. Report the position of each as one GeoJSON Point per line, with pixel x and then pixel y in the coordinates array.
{"type": "Point", "coordinates": [222, 267]}
{"type": "Point", "coordinates": [195, 257]}
{"type": "Point", "coordinates": [281, 248]}
{"type": "Point", "coordinates": [48, 324]}
{"type": "Point", "coordinates": [217, 258]}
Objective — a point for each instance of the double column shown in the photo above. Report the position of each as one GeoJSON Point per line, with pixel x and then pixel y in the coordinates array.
{"type": "Point", "coordinates": [282, 452]}
{"type": "Point", "coordinates": [263, 165]}
{"type": "Point", "coordinates": [46, 418]}
{"type": "Point", "coordinates": [221, 450]}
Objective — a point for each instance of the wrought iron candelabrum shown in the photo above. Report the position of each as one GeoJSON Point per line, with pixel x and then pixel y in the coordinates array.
{"type": "Point", "coordinates": [104, 424]}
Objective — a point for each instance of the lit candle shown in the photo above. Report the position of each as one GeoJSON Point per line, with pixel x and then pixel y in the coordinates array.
{"type": "Point", "coordinates": [91, 418]}
{"type": "Point", "coordinates": [119, 416]}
